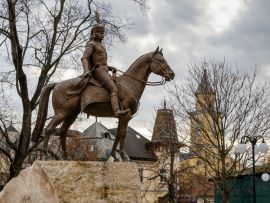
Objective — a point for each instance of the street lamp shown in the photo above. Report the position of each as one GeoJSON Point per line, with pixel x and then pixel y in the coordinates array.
{"type": "Point", "coordinates": [263, 148]}
{"type": "Point", "coordinates": [265, 177]}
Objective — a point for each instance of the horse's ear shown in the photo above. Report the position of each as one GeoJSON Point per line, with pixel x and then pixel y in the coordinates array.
{"type": "Point", "coordinates": [161, 51]}
{"type": "Point", "coordinates": [156, 51]}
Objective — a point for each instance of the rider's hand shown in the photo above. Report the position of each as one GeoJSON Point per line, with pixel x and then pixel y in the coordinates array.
{"type": "Point", "coordinates": [86, 74]}
{"type": "Point", "coordinates": [114, 70]}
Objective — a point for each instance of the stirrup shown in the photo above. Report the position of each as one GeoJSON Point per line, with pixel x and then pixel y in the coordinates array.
{"type": "Point", "coordinates": [120, 113]}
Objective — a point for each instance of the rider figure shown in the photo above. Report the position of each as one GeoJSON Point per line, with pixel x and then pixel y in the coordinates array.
{"type": "Point", "coordinates": [94, 63]}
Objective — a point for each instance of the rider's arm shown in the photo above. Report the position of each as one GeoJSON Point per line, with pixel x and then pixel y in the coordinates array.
{"type": "Point", "coordinates": [90, 46]}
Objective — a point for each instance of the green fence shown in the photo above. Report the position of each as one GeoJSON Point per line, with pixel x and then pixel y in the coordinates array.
{"type": "Point", "coordinates": [242, 190]}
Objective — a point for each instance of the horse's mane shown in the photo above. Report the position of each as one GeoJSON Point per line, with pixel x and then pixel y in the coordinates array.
{"type": "Point", "coordinates": [138, 60]}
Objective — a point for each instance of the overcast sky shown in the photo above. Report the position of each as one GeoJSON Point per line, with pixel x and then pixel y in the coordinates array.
{"type": "Point", "coordinates": [190, 31]}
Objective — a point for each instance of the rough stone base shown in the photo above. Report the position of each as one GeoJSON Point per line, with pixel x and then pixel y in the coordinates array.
{"type": "Point", "coordinates": [74, 182]}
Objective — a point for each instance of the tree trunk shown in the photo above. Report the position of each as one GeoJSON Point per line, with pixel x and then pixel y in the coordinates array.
{"type": "Point", "coordinates": [171, 186]}
{"type": "Point", "coordinates": [24, 141]}
{"type": "Point", "coordinates": [225, 196]}
{"type": "Point", "coordinates": [11, 172]}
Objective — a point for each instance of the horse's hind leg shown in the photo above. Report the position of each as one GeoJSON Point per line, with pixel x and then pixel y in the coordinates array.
{"type": "Point", "coordinates": [56, 120]}
{"type": "Point", "coordinates": [64, 130]}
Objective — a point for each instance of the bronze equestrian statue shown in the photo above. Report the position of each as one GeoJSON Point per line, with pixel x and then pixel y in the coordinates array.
{"type": "Point", "coordinates": [94, 63]}
{"type": "Point", "coordinates": [100, 95]}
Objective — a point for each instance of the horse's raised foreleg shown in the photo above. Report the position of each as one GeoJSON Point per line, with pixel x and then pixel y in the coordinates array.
{"type": "Point", "coordinates": [56, 120]}
{"type": "Point", "coordinates": [64, 130]}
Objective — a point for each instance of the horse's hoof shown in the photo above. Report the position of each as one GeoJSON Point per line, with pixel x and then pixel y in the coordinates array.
{"type": "Point", "coordinates": [110, 159]}
{"type": "Point", "coordinates": [115, 159]}
{"type": "Point", "coordinates": [124, 157]}
{"type": "Point", "coordinates": [46, 154]}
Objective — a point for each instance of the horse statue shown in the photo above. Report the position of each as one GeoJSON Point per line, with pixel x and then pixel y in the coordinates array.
{"type": "Point", "coordinates": [95, 100]}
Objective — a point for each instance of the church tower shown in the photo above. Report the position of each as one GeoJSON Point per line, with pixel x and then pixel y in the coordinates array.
{"type": "Point", "coordinates": [204, 94]}
{"type": "Point", "coordinates": [201, 119]}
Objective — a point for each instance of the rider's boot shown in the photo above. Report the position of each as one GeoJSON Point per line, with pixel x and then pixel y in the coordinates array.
{"type": "Point", "coordinates": [115, 107]}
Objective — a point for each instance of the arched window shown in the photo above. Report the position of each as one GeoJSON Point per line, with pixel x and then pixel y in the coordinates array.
{"type": "Point", "coordinates": [106, 135]}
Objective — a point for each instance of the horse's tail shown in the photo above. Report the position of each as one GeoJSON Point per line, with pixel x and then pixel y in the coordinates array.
{"type": "Point", "coordinates": [42, 112]}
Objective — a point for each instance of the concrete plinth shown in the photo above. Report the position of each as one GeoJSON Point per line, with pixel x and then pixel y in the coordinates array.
{"type": "Point", "coordinates": [74, 182]}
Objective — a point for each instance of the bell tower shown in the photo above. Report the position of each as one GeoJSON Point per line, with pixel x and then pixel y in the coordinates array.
{"type": "Point", "coordinates": [201, 120]}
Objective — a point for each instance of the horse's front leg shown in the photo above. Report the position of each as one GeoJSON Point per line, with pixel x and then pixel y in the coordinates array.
{"type": "Point", "coordinates": [116, 141]}
{"type": "Point", "coordinates": [122, 134]}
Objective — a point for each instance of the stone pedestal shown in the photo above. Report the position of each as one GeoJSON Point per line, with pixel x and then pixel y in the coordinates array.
{"type": "Point", "coordinates": [75, 182]}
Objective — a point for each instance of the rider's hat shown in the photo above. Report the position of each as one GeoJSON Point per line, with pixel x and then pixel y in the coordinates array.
{"type": "Point", "coordinates": [98, 26]}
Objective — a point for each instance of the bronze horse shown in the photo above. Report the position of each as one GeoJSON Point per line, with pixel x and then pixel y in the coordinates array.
{"type": "Point", "coordinates": [131, 86]}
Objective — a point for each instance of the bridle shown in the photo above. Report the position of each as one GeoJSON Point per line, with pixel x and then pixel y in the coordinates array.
{"type": "Point", "coordinates": [162, 82]}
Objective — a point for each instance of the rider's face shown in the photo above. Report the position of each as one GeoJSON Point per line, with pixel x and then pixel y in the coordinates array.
{"type": "Point", "coordinates": [100, 34]}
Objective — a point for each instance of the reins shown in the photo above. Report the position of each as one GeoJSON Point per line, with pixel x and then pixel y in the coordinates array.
{"type": "Point", "coordinates": [162, 82]}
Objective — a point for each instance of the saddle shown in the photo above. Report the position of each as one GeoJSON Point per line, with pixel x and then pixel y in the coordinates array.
{"type": "Point", "coordinates": [89, 89]}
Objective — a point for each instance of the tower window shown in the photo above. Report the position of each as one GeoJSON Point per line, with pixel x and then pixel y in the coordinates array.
{"type": "Point", "coordinates": [106, 135]}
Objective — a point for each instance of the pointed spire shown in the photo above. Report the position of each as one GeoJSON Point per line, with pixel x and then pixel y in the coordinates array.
{"type": "Point", "coordinates": [204, 86]}
{"type": "Point", "coordinates": [11, 129]}
{"type": "Point", "coordinates": [97, 17]}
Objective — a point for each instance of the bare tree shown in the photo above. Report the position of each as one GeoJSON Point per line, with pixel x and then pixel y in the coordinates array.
{"type": "Point", "coordinates": [193, 184]}
{"type": "Point", "coordinates": [42, 37]}
{"type": "Point", "coordinates": [8, 141]}
{"type": "Point", "coordinates": [161, 177]}
{"type": "Point", "coordinates": [170, 177]}
{"type": "Point", "coordinates": [215, 107]}
{"type": "Point", "coordinates": [80, 149]}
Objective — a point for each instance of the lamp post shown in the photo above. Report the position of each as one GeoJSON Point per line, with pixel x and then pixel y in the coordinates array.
{"type": "Point", "coordinates": [263, 148]}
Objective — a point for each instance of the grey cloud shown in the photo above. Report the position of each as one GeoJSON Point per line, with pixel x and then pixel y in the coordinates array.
{"type": "Point", "coordinates": [249, 36]}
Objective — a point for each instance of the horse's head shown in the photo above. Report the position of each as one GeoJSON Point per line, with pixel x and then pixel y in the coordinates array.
{"type": "Point", "coordinates": [160, 66]}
